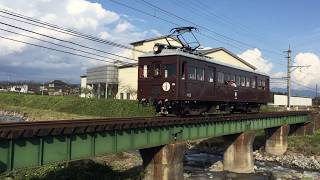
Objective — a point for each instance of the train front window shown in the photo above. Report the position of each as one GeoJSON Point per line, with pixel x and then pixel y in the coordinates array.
{"type": "Point", "coordinates": [170, 70]}
{"type": "Point", "coordinates": [156, 69]}
{"type": "Point", "coordinates": [144, 71]}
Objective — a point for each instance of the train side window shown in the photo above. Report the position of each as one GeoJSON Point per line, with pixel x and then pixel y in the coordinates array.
{"type": "Point", "coordinates": [248, 82]}
{"type": "Point", "coordinates": [233, 77]}
{"type": "Point", "coordinates": [253, 82]}
{"type": "Point", "coordinates": [192, 72]}
{"type": "Point", "coordinates": [170, 70]}
{"type": "Point", "coordinates": [200, 74]}
{"type": "Point", "coordinates": [226, 77]}
{"type": "Point", "coordinates": [220, 77]}
{"type": "Point", "coordinates": [238, 80]}
{"type": "Point", "coordinates": [210, 75]}
{"type": "Point", "coordinates": [243, 81]}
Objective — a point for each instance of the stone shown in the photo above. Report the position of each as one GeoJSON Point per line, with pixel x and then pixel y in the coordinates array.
{"type": "Point", "coordinates": [216, 167]}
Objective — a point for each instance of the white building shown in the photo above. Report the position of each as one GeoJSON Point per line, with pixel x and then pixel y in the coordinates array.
{"type": "Point", "coordinates": [19, 88]}
{"type": "Point", "coordinates": [100, 81]}
{"type": "Point", "coordinates": [295, 101]}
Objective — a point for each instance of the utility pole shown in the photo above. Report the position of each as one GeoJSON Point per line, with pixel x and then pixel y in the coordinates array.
{"type": "Point", "coordinates": [316, 90]}
{"type": "Point", "coordinates": [290, 69]}
{"type": "Point", "coordinates": [288, 77]}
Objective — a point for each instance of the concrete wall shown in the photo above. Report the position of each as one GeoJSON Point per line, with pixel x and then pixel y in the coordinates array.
{"type": "Point", "coordinates": [128, 83]}
{"type": "Point", "coordinates": [222, 56]}
{"type": "Point", "coordinates": [281, 100]}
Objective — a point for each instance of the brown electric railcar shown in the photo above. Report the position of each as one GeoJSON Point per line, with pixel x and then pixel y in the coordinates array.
{"type": "Point", "coordinates": [182, 83]}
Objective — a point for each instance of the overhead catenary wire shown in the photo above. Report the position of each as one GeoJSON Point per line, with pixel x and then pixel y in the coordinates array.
{"type": "Point", "coordinates": [203, 27]}
{"type": "Point", "coordinates": [65, 41]}
{"type": "Point", "coordinates": [67, 47]}
{"type": "Point", "coordinates": [46, 25]}
{"type": "Point", "coordinates": [58, 50]}
{"type": "Point", "coordinates": [163, 19]}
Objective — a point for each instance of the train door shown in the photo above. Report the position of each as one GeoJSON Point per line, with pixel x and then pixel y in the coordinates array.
{"type": "Point", "coordinates": [210, 82]}
{"type": "Point", "coordinates": [254, 87]}
{"type": "Point", "coordinates": [182, 79]}
{"type": "Point", "coordinates": [156, 79]}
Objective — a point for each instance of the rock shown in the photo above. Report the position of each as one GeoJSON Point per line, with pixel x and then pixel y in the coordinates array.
{"type": "Point", "coordinates": [216, 167]}
{"type": "Point", "coordinates": [186, 175]}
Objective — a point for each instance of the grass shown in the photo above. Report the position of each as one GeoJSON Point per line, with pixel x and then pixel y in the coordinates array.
{"type": "Point", "coordinates": [73, 106]}
{"type": "Point", "coordinates": [98, 169]}
{"type": "Point", "coordinates": [40, 114]}
{"type": "Point", "coordinates": [266, 108]}
{"type": "Point", "coordinates": [309, 145]}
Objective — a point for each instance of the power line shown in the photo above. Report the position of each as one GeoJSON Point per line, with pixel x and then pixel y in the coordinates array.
{"type": "Point", "coordinates": [162, 19]}
{"type": "Point", "coordinates": [203, 27]}
{"type": "Point", "coordinates": [57, 50]}
{"type": "Point", "coordinates": [304, 86]}
{"type": "Point", "coordinates": [65, 41]}
{"type": "Point", "coordinates": [60, 29]}
{"type": "Point", "coordinates": [58, 44]}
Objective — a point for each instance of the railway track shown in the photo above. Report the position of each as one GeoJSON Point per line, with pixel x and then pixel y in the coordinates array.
{"type": "Point", "coordinates": [15, 130]}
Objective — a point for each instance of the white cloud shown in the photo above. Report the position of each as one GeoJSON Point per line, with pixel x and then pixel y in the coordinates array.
{"type": "Point", "coordinates": [254, 57]}
{"type": "Point", "coordinates": [123, 26]}
{"type": "Point", "coordinates": [81, 15]}
{"type": "Point", "coordinates": [309, 76]}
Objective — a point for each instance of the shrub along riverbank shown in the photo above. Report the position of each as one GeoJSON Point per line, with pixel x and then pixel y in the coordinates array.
{"type": "Point", "coordinates": [74, 105]}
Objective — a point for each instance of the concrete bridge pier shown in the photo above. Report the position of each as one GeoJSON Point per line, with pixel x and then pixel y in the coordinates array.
{"type": "Point", "coordinates": [302, 129]}
{"type": "Point", "coordinates": [277, 140]}
{"type": "Point", "coordinates": [163, 162]}
{"type": "Point", "coordinates": [238, 157]}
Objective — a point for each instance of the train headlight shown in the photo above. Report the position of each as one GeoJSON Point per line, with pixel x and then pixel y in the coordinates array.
{"type": "Point", "coordinates": [157, 48]}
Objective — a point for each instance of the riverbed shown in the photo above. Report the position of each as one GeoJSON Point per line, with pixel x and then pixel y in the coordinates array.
{"type": "Point", "coordinates": [202, 166]}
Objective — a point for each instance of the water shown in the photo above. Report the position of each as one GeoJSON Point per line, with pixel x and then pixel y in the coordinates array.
{"type": "Point", "coordinates": [197, 167]}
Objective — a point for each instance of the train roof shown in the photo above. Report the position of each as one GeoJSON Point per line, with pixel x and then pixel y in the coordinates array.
{"type": "Point", "coordinates": [178, 52]}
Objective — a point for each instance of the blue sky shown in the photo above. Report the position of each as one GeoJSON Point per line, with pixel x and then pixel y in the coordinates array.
{"type": "Point", "coordinates": [270, 25]}
{"type": "Point", "coordinates": [258, 31]}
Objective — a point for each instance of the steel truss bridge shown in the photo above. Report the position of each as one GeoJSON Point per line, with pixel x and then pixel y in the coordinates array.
{"type": "Point", "coordinates": [27, 144]}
